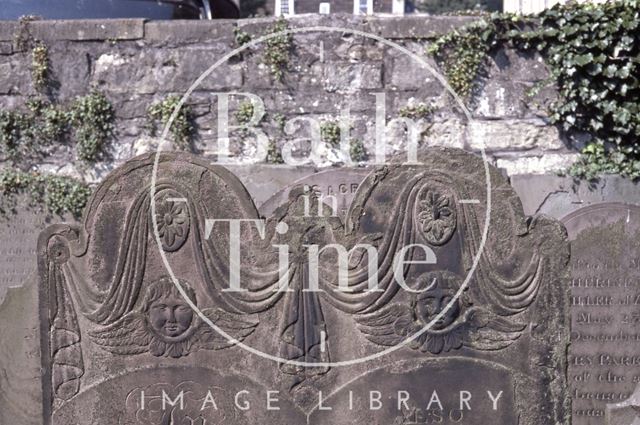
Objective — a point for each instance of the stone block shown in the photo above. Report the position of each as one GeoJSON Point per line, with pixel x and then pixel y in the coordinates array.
{"type": "Point", "coordinates": [513, 135]}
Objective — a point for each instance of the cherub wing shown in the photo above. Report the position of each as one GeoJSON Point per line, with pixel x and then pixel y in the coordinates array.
{"type": "Point", "coordinates": [488, 331]}
{"type": "Point", "coordinates": [127, 335]}
{"type": "Point", "coordinates": [381, 327]}
{"type": "Point", "coordinates": [237, 326]}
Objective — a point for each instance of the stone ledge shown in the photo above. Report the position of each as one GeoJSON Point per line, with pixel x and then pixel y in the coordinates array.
{"type": "Point", "coordinates": [417, 26]}
{"type": "Point", "coordinates": [77, 30]}
{"type": "Point", "coordinates": [387, 26]}
{"type": "Point", "coordinates": [390, 27]}
{"type": "Point", "coordinates": [179, 32]}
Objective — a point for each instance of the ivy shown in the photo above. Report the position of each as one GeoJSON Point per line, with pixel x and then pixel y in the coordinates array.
{"type": "Point", "coordinates": [277, 49]}
{"type": "Point", "coordinates": [24, 134]}
{"type": "Point", "coordinates": [241, 37]}
{"type": "Point", "coordinates": [593, 52]}
{"type": "Point", "coordinates": [23, 37]}
{"type": "Point", "coordinates": [274, 156]}
{"type": "Point", "coordinates": [40, 66]}
{"type": "Point", "coordinates": [58, 194]}
{"type": "Point", "coordinates": [13, 131]}
{"type": "Point", "coordinates": [47, 123]}
{"type": "Point", "coordinates": [595, 160]}
{"type": "Point", "coordinates": [182, 129]}
{"type": "Point", "coordinates": [277, 52]}
{"type": "Point", "coordinates": [418, 111]}
{"type": "Point", "coordinates": [330, 133]}
{"type": "Point", "coordinates": [92, 117]}
{"type": "Point", "coordinates": [357, 150]}
{"type": "Point", "coordinates": [27, 134]}
{"type": "Point", "coordinates": [463, 53]}
{"type": "Point", "coordinates": [244, 113]}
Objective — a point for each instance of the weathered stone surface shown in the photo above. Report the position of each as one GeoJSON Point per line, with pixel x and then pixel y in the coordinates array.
{"type": "Point", "coordinates": [335, 188]}
{"type": "Point", "coordinates": [188, 32]}
{"type": "Point", "coordinates": [347, 77]}
{"type": "Point", "coordinates": [417, 26]}
{"type": "Point", "coordinates": [136, 64]}
{"type": "Point", "coordinates": [407, 73]}
{"type": "Point", "coordinates": [547, 163]}
{"type": "Point", "coordinates": [625, 412]}
{"type": "Point", "coordinates": [603, 227]}
{"type": "Point", "coordinates": [155, 70]}
{"type": "Point", "coordinates": [514, 135]}
{"type": "Point", "coordinates": [406, 390]}
{"type": "Point", "coordinates": [80, 30]}
{"type": "Point", "coordinates": [558, 196]}
{"type": "Point", "coordinates": [20, 225]}
{"type": "Point", "coordinates": [604, 284]}
{"type": "Point", "coordinates": [508, 89]}
{"type": "Point", "coordinates": [13, 77]}
{"type": "Point", "coordinates": [6, 48]}
{"type": "Point", "coordinates": [20, 368]}
{"type": "Point", "coordinates": [117, 331]}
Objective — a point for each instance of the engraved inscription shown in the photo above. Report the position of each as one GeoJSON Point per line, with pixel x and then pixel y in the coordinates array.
{"type": "Point", "coordinates": [604, 358]}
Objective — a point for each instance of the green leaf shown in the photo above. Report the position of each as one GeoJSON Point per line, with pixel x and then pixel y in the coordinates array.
{"type": "Point", "coordinates": [582, 60]}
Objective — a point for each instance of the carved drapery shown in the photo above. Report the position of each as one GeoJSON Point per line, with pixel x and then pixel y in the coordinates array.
{"type": "Point", "coordinates": [396, 206]}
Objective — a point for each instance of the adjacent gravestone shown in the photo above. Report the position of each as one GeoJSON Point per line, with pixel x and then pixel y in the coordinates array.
{"type": "Point", "coordinates": [625, 412]}
{"type": "Point", "coordinates": [20, 366]}
{"type": "Point", "coordinates": [288, 337]}
{"type": "Point", "coordinates": [20, 396]}
{"type": "Point", "coordinates": [604, 358]}
{"type": "Point", "coordinates": [19, 230]}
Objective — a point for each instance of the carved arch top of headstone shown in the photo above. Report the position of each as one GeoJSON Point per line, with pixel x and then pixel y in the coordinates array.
{"type": "Point", "coordinates": [109, 309]}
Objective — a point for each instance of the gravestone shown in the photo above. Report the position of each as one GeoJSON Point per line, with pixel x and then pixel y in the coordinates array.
{"type": "Point", "coordinates": [624, 412]}
{"type": "Point", "coordinates": [145, 318]}
{"type": "Point", "coordinates": [20, 397]}
{"type": "Point", "coordinates": [604, 357]}
{"type": "Point", "coordinates": [19, 230]}
{"type": "Point", "coordinates": [20, 366]}
{"type": "Point", "coordinates": [335, 188]}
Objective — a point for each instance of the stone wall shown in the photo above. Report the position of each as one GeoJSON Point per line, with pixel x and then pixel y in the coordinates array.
{"type": "Point", "coordinates": [137, 63]}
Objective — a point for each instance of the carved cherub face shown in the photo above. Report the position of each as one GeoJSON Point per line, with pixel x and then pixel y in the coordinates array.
{"type": "Point", "coordinates": [170, 316]}
{"type": "Point", "coordinates": [442, 287]}
{"type": "Point", "coordinates": [165, 325]}
{"type": "Point", "coordinates": [168, 313]}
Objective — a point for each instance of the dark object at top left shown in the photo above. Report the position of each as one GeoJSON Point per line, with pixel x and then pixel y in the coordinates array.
{"type": "Point", "coordinates": [105, 9]}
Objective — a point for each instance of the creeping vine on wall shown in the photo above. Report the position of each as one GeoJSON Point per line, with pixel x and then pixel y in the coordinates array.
{"type": "Point", "coordinates": [92, 118]}
{"type": "Point", "coordinates": [182, 129]}
{"type": "Point", "coordinates": [88, 121]}
{"type": "Point", "coordinates": [277, 51]}
{"type": "Point", "coordinates": [357, 150]}
{"type": "Point", "coordinates": [23, 38]}
{"type": "Point", "coordinates": [244, 113]}
{"type": "Point", "coordinates": [593, 52]}
{"type": "Point", "coordinates": [241, 37]}
{"type": "Point", "coordinates": [419, 111]}
{"type": "Point", "coordinates": [58, 194]}
{"type": "Point", "coordinates": [274, 156]}
{"type": "Point", "coordinates": [463, 53]}
{"type": "Point", "coordinates": [330, 133]}
{"type": "Point", "coordinates": [40, 66]}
